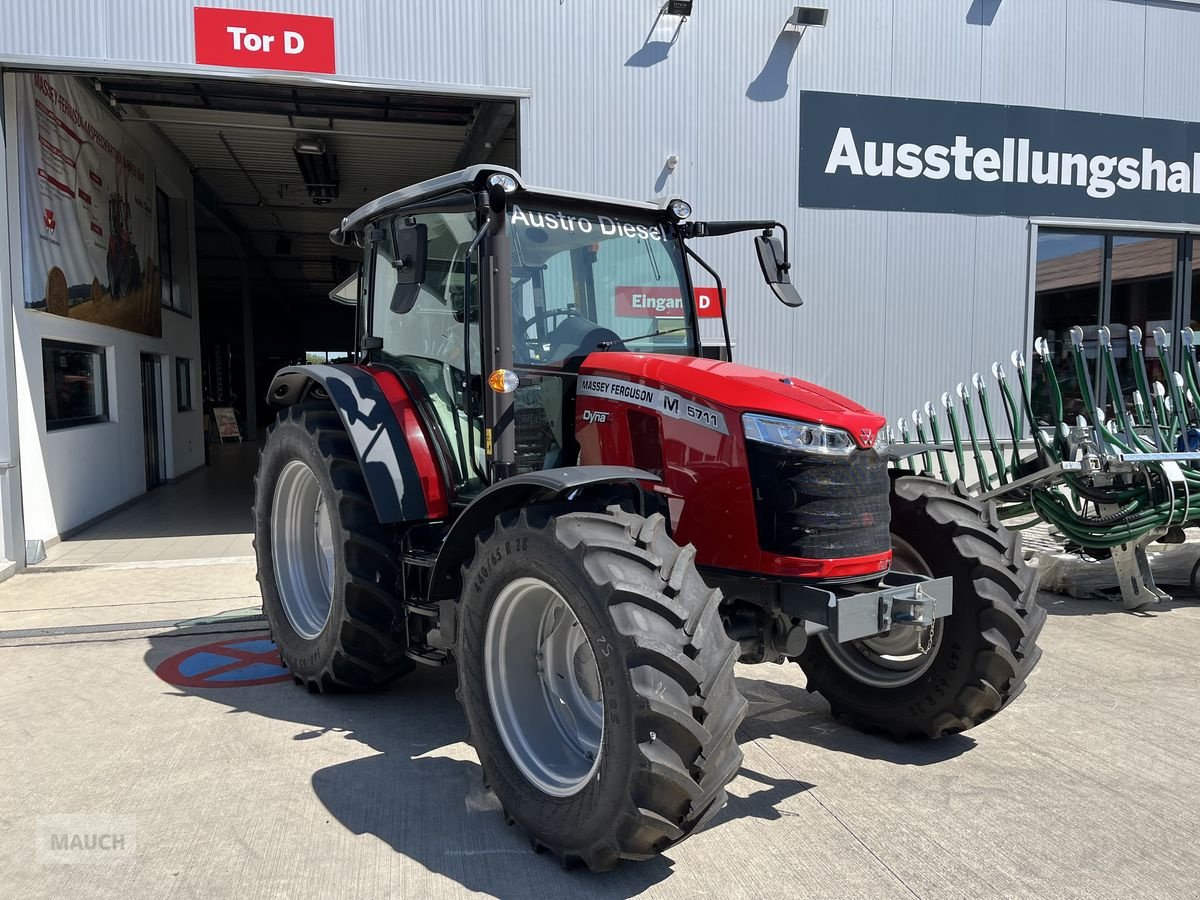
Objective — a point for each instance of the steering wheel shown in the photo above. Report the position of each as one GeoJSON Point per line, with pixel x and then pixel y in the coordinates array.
{"type": "Point", "coordinates": [531, 345]}
{"type": "Point", "coordinates": [542, 315]}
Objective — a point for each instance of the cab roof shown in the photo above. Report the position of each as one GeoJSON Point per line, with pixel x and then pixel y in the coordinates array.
{"type": "Point", "coordinates": [470, 178]}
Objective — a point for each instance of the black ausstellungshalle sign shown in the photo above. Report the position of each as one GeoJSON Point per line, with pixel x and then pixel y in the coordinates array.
{"type": "Point", "coordinates": [894, 153]}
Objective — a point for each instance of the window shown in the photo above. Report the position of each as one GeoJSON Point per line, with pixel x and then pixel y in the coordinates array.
{"type": "Point", "coordinates": [713, 350]}
{"type": "Point", "coordinates": [1114, 279]}
{"type": "Point", "coordinates": [585, 279]}
{"type": "Point", "coordinates": [172, 295]}
{"type": "Point", "coordinates": [427, 343]}
{"type": "Point", "coordinates": [183, 384]}
{"type": "Point", "coordinates": [75, 384]}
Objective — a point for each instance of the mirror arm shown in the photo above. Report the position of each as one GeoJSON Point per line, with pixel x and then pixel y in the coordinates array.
{"type": "Point", "coordinates": [716, 229]}
{"type": "Point", "coordinates": [720, 301]}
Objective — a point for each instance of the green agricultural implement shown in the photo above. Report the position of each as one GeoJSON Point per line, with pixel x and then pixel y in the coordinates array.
{"type": "Point", "coordinates": [1125, 472]}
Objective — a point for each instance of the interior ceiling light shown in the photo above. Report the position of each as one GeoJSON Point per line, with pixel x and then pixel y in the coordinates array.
{"type": "Point", "coordinates": [311, 145]}
{"type": "Point", "coordinates": [318, 169]}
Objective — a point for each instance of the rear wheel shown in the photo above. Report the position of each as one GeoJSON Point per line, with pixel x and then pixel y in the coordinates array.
{"type": "Point", "coordinates": [968, 665]}
{"type": "Point", "coordinates": [598, 683]}
{"type": "Point", "coordinates": [325, 566]}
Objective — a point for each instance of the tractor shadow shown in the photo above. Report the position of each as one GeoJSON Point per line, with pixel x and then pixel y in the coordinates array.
{"type": "Point", "coordinates": [784, 710]}
{"type": "Point", "coordinates": [422, 790]}
{"type": "Point", "coordinates": [1103, 604]}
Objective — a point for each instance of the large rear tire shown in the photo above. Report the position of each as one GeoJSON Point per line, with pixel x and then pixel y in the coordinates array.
{"type": "Point", "coordinates": [598, 683]}
{"type": "Point", "coordinates": [975, 661]}
{"type": "Point", "coordinates": [325, 565]}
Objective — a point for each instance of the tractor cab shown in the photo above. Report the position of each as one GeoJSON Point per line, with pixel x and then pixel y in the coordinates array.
{"type": "Point", "coordinates": [486, 297]}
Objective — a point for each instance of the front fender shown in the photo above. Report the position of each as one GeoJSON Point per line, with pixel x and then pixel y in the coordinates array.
{"type": "Point", "coordinates": [445, 583]}
{"type": "Point", "coordinates": [399, 489]}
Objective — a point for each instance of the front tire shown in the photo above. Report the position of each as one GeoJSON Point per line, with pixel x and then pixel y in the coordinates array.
{"type": "Point", "coordinates": [975, 661]}
{"type": "Point", "coordinates": [598, 683]}
{"type": "Point", "coordinates": [325, 567]}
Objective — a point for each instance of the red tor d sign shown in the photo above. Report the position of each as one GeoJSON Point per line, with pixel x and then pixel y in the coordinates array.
{"type": "Point", "coordinates": [246, 39]}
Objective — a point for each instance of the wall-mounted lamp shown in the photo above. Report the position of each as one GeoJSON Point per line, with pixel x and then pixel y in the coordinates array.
{"type": "Point", "coordinates": [672, 162]}
{"type": "Point", "coordinates": [803, 17]}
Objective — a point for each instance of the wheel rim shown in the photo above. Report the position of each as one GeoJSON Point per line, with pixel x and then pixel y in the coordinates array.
{"type": "Point", "coordinates": [894, 658]}
{"type": "Point", "coordinates": [544, 687]}
{"type": "Point", "coordinates": [302, 549]}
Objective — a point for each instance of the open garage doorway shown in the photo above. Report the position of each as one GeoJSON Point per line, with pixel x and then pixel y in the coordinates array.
{"type": "Point", "coordinates": [274, 167]}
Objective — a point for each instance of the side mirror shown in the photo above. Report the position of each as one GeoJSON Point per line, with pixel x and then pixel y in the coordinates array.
{"type": "Point", "coordinates": [410, 248]}
{"type": "Point", "coordinates": [775, 270]}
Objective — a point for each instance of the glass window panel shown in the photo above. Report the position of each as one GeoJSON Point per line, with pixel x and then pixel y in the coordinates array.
{"type": "Point", "coordinates": [1143, 294]}
{"type": "Point", "coordinates": [1070, 267]}
{"type": "Point", "coordinates": [75, 386]}
{"type": "Point", "coordinates": [183, 384]}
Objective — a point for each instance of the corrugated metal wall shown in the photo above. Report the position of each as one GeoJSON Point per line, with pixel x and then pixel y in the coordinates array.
{"type": "Point", "coordinates": [900, 305]}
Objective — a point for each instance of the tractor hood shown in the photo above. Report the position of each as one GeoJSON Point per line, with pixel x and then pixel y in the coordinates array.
{"type": "Point", "coordinates": [739, 389]}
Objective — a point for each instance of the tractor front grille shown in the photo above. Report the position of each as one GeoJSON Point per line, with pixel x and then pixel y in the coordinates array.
{"type": "Point", "coordinates": [817, 508]}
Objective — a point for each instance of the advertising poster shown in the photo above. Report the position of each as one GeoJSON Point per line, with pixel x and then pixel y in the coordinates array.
{"type": "Point", "coordinates": [87, 209]}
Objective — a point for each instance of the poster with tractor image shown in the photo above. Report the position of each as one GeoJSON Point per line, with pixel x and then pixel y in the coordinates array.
{"type": "Point", "coordinates": [87, 209]}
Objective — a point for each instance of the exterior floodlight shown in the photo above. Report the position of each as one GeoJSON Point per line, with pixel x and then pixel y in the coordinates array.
{"type": "Point", "coordinates": [806, 16]}
{"type": "Point", "coordinates": [310, 146]}
{"type": "Point", "coordinates": [680, 209]}
{"type": "Point", "coordinates": [506, 182]}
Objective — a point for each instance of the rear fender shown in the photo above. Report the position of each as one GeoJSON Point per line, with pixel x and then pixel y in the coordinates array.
{"type": "Point", "coordinates": [445, 582]}
{"type": "Point", "coordinates": [397, 464]}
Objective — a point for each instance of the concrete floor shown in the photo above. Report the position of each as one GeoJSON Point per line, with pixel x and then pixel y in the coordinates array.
{"type": "Point", "coordinates": [1086, 787]}
{"type": "Point", "coordinates": [215, 522]}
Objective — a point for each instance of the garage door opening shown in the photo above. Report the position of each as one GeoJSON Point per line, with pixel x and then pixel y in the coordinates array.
{"type": "Point", "coordinates": [245, 261]}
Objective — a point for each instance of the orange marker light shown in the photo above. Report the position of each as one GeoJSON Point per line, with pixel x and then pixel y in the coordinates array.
{"type": "Point", "coordinates": [503, 381]}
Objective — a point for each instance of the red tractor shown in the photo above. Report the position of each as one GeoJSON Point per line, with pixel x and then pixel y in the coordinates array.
{"type": "Point", "coordinates": [532, 471]}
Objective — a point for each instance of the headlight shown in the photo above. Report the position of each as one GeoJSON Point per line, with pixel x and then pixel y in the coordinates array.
{"type": "Point", "coordinates": [883, 441]}
{"type": "Point", "coordinates": [505, 182]}
{"type": "Point", "coordinates": [805, 437]}
{"type": "Point", "coordinates": [681, 209]}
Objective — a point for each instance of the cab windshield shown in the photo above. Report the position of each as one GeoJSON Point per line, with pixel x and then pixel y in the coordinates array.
{"type": "Point", "coordinates": [587, 280]}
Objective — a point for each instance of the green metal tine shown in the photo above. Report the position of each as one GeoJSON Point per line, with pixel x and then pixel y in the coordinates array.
{"type": "Point", "coordinates": [1011, 413]}
{"type": "Point", "coordinates": [919, 423]}
{"type": "Point", "coordinates": [1047, 453]}
{"type": "Point", "coordinates": [1142, 381]}
{"type": "Point", "coordinates": [981, 392]}
{"type": "Point", "coordinates": [1178, 407]}
{"type": "Point", "coordinates": [1162, 407]}
{"type": "Point", "coordinates": [1191, 369]}
{"type": "Point", "coordinates": [1041, 349]}
{"type": "Point", "coordinates": [1186, 396]}
{"type": "Point", "coordinates": [902, 427]}
{"type": "Point", "coordinates": [955, 435]}
{"type": "Point", "coordinates": [936, 432]}
{"type": "Point", "coordinates": [969, 415]}
{"type": "Point", "coordinates": [1109, 364]}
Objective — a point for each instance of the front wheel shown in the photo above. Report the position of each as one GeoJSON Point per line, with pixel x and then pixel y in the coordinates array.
{"type": "Point", "coordinates": [967, 666]}
{"type": "Point", "coordinates": [325, 565]}
{"type": "Point", "coordinates": [597, 682]}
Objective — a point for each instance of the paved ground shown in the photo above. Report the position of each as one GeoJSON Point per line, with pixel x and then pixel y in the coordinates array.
{"type": "Point", "coordinates": [215, 501]}
{"type": "Point", "coordinates": [1087, 787]}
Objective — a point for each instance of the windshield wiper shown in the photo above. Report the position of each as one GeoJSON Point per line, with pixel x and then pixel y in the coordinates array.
{"type": "Point", "coordinates": [653, 261]}
{"type": "Point", "coordinates": [605, 345]}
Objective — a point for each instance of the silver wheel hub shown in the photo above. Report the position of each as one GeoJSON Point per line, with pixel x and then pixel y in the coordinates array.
{"type": "Point", "coordinates": [544, 687]}
{"type": "Point", "coordinates": [302, 549]}
{"type": "Point", "coordinates": [898, 656]}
